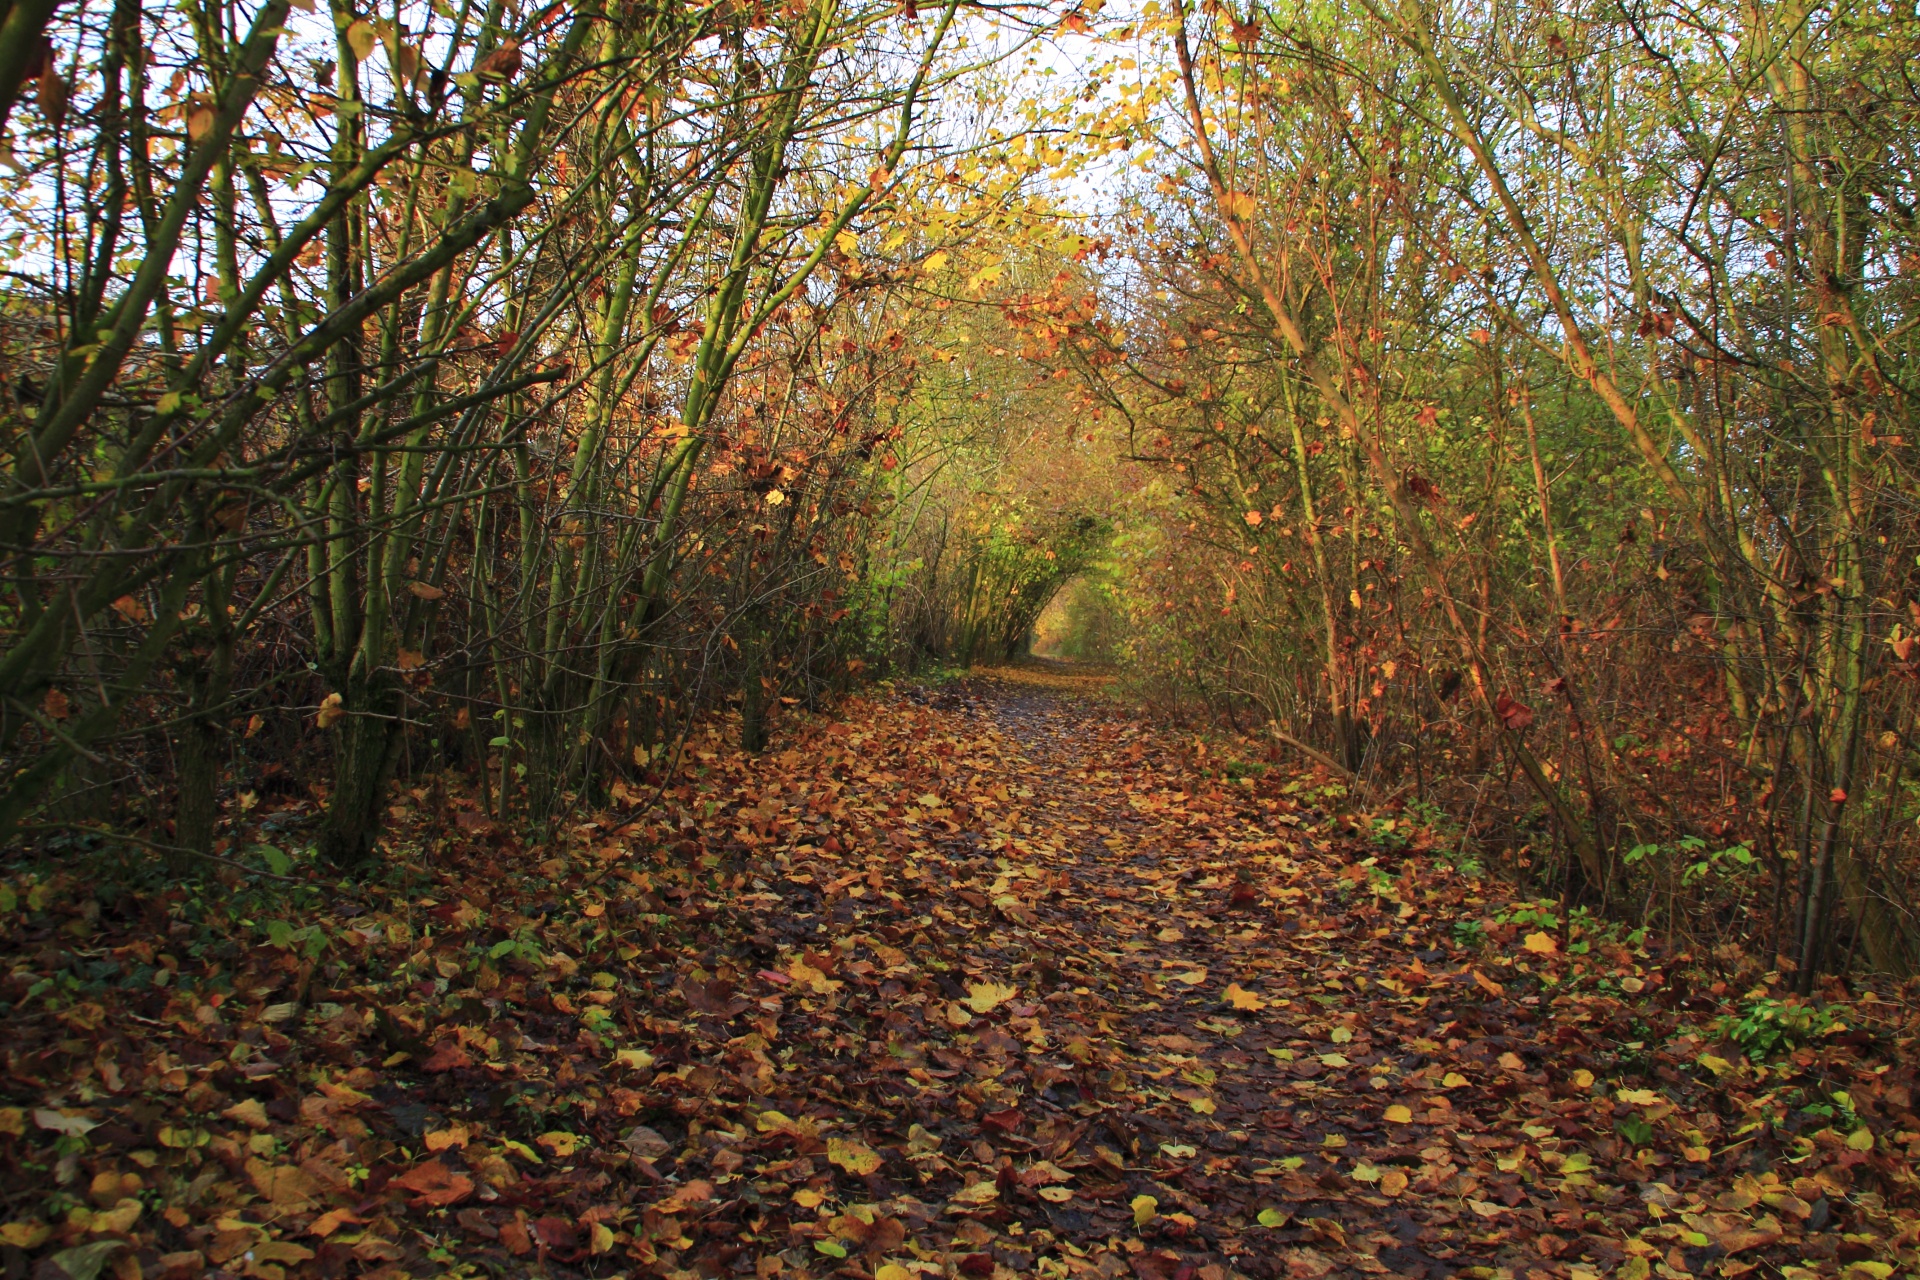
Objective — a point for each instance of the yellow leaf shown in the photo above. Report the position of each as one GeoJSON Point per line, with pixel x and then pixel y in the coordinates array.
{"type": "Point", "coordinates": [248, 1112]}
{"type": "Point", "coordinates": [1398, 1114]}
{"type": "Point", "coordinates": [1583, 1079]}
{"type": "Point", "coordinates": [1145, 1209]}
{"type": "Point", "coordinates": [978, 1193]}
{"type": "Point", "coordinates": [332, 711]}
{"type": "Point", "coordinates": [199, 123]}
{"type": "Point", "coordinates": [1341, 1035]}
{"type": "Point", "coordinates": [985, 997]}
{"type": "Point", "coordinates": [118, 1220]}
{"type": "Point", "coordinates": [808, 1198]}
{"type": "Point", "coordinates": [633, 1059]}
{"type": "Point", "coordinates": [1392, 1182]}
{"type": "Point", "coordinates": [1638, 1097]}
{"type": "Point", "coordinates": [561, 1143]}
{"type": "Point", "coordinates": [1541, 944]}
{"type": "Point", "coordinates": [1191, 978]}
{"type": "Point", "coordinates": [25, 1235]}
{"type": "Point", "coordinates": [1203, 1106]}
{"type": "Point", "coordinates": [453, 1136]}
{"type": "Point", "coordinates": [1239, 205]}
{"type": "Point", "coordinates": [1054, 1195]}
{"type": "Point", "coordinates": [852, 1156]}
{"type": "Point", "coordinates": [848, 243]}
{"type": "Point", "coordinates": [1860, 1139]}
{"type": "Point", "coordinates": [934, 262]}
{"type": "Point", "coordinates": [1719, 1066]}
{"type": "Point", "coordinates": [1452, 1080]}
{"type": "Point", "coordinates": [360, 38]}
{"type": "Point", "coordinates": [1240, 998]}
{"type": "Point", "coordinates": [13, 1121]}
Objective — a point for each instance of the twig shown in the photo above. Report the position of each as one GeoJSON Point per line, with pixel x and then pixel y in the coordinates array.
{"type": "Point", "coordinates": [157, 847]}
{"type": "Point", "coordinates": [1313, 753]}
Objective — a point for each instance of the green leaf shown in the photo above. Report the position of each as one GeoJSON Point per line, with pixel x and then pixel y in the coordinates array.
{"type": "Point", "coordinates": [499, 949]}
{"type": "Point", "coordinates": [1272, 1218]}
{"type": "Point", "coordinates": [84, 1263]}
{"type": "Point", "coordinates": [832, 1248]}
{"type": "Point", "coordinates": [277, 862]}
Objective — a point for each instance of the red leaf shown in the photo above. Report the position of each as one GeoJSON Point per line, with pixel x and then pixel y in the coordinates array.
{"type": "Point", "coordinates": [558, 1236]}
{"type": "Point", "coordinates": [514, 1236]}
{"type": "Point", "coordinates": [437, 1185]}
{"type": "Point", "coordinates": [1515, 715]}
{"type": "Point", "coordinates": [447, 1056]}
{"type": "Point", "coordinates": [502, 64]}
{"type": "Point", "coordinates": [1001, 1121]}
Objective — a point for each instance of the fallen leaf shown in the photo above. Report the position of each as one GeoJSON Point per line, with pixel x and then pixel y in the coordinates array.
{"type": "Point", "coordinates": [1240, 998]}
{"type": "Point", "coordinates": [435, 1184]}
{"type": "Point", "coordinates": [855, 1158]}
{"type": "Point", "coordinates": [985, 997]}
{"type": "Point", "coordinates": [561, 1143]}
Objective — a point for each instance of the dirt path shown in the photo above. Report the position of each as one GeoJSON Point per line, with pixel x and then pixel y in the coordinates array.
{"type": "Point", "coordinates": [1248, 1040]}
{"type": "Point", "coordinates": [1231, 1065]}
{"type": "Point", "coordinates": [984, 981]}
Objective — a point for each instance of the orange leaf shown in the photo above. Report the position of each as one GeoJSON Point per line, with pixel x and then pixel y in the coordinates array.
{"type": "Point", "coordinates": [437, 1186]}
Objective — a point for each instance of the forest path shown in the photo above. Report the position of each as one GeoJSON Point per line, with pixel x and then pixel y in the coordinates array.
{"type": "Point", "coordinates": [986, 980]}
{"type": "Point", "coordinates": [1216, 978]}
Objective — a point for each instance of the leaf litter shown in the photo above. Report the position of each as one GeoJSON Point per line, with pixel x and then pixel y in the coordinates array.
{"type": "Point", "coordinates": [993, 980]}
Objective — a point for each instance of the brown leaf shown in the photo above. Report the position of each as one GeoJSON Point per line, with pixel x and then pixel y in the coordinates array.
{"type": "Point", "coordinates": [436, 1184]}
{"type": "Point", "coordinates": [699, 1191]}
{"type": "Point", "coordinates": [447, 1056]}
{"type": "Point", "coordinates": [503, 64]}
{"type": "Point", "coordinates": [1514, 715]}
{"type": "Point", "coordinates": [516, 1237]}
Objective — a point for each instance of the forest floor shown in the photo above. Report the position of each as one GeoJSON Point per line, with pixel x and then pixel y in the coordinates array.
{"type": "Point", "coordinates": [994, 978]}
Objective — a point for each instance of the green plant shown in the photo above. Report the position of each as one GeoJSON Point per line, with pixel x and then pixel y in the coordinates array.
{"type": "Point", "coordinates": [1634, 1130]}
{"type": "Point", "coordinates": [1766, 1027]}
{"type": "Point", "coordinates": [1388, 833]}
{"type": "Point", "coordinates": [1696, 863]}
{"type": "Point", "coordinates": [1532, 915]}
